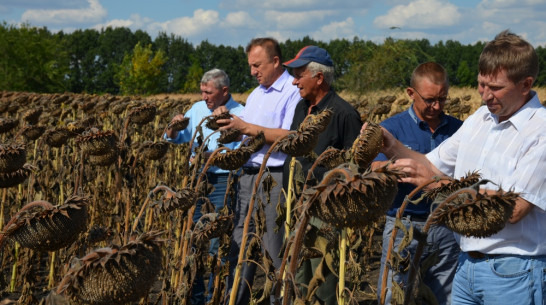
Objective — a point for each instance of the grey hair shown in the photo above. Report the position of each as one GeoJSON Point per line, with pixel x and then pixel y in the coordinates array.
{"type": "Point", "coordinates": [327, 71]}
{"type": "Point", "coordinates": [218, 77]}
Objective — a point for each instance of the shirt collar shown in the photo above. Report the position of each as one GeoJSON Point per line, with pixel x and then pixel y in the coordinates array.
{"type": "Point", "coordinates": [521, 117]}
{"type": "Point", "coordinates": [420, 122]}
{"type": "Point", "coordinates": [279, 84]}
{"type": "Point", "coordinates": [322, 104]}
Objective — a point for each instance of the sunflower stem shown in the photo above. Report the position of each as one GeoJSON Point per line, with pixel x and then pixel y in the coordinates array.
{"type": "Point", "coordinates": [342, 258]}
{"type": "Point", "coordinates": [51, 276]}
{"type": "Point", "coordinates": [14, 269]}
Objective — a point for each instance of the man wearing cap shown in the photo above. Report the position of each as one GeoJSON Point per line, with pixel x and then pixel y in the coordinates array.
{"type": "Point", "coordinates": [313, 71]}
{"type": "Point", "coordinates": [269, 109]}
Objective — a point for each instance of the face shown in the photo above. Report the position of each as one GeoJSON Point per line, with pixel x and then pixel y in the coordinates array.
{"type": "Point", "coordinates": [213, 96]}
{"type": "Point", "coordinates": [502, 96]}
{"type": "Point", "coordinates": [262, 67]}
{"type": "Point", "coordinates": [308, 84]}
{"type": "Point", "coordinates": [429, 99]}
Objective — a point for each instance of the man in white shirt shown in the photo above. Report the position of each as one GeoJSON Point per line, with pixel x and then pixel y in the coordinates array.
{"type": "Point", "coordinates": [505, 141]}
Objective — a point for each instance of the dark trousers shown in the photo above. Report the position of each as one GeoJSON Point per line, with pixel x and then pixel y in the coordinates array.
{"type": "Point", "coordinates": [272, 240]}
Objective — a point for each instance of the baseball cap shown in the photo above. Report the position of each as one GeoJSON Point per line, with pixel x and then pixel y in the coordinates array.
{"type": "Point", "coordinates": [309, 54]}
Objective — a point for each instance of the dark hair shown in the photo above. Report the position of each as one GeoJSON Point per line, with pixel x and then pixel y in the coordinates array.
{"type": "Point", "coordinates": [432, 71]}
{"type": "Point", "coordinates": [512, 53]}
{"type": "Point", "coordinates": [271, 46]}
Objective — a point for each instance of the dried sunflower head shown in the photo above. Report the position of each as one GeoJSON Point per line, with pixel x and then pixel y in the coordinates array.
{"type": "Point", "coordinates": [179, 124]}
{"type": "Point", "coordinates": [454, 185]}
{"type": "Point", "coordinates": [15, 178]}
{"type": "Point", "coordinates": [332, 158]}
{"type": "Point", "coordinates": [233, 159]}
{"type": "Point", "coordinates": [154, 150]}
{"type": "Point", "coordinates": [353, 200]}
{"type": "Point", "coordinates": [212, 122]}
{"type": "Point", "coordinates": [479, 216]}
{"type": "Point", "coordinates": [95, 142]}
{"type": "Point", "coordinates": [229, 135]}
{"type": "Point", "coordinates": [172, 200]}
{"type": "Point", "coordinates": [319, 121]}
{"type": "Point", "coordinates": [143, 114]}
{"type": "Point", "coordinates": [367, 145]}
{"type": "Point", "coordinates": [33, 132]}
{"type": "Point", "coordinates": [257, 142]}
{"type": "Point", "coordinates": [12, 157]}
{"type": "Point", "coordinates": [115, 275]}
{"type": "Point", "coordinates": [212, 225]}
{"type": "Point", "coordinates": [52, 228]}
{"type": "Point", "coordinates": [306, 136]}
{"type": "Point", "coordinates": [32, 116]}
{"type": "Point", "coordinates": [7, 124]}
{"type": "Point", "coordinates": [299, 143]}
{"type": "Point", "coordinates": [105, 159]}
{"type": "Point", "coordinates": [57, 136]}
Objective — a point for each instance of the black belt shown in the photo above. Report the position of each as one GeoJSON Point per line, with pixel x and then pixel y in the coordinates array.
{"type": "Point", "coordinates": [479, 255]}
{"type": "Point", "coordinates": [254, 170]}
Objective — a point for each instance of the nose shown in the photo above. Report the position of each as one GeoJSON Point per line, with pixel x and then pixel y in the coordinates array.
{"type": "Point", "coordinates": [487, 94]}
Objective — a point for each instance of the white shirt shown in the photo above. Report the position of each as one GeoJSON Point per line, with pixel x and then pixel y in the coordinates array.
{"type": "Point", "coordinates": [271, 107]}
{"type": "Point", "coordinates": [512, 154]}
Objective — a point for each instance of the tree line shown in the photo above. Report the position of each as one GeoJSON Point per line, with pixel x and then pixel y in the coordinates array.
{"type": "Point", "coordinates": [120, 61]}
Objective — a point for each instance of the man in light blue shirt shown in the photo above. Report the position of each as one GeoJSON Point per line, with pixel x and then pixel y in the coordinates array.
{"type": "Point", "coordinates": [215, 93]}
{"type": "Point", "coordinates": [269, 108]}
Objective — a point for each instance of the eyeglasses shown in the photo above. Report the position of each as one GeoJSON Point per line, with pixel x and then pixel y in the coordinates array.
{"type": "Point", "coordinates": [431, 101]}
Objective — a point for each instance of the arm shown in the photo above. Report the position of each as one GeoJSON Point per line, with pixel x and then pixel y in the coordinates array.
{"type": "Point", "coordinates": [171, 133]}
{"type": "Point", "coordinates": [522, 208]}
{"type": "Point", "coordinates": [271, 134]}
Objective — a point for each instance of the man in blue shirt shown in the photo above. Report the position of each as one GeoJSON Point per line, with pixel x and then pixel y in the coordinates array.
{"type": "Point", "coordinates": [422, 127]}
{"type": "Point", "coordinates": [215, 93]}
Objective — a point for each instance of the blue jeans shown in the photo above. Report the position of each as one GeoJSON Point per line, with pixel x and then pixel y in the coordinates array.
{"type": "Point", "coordinates": [219, 181]}
{"type": "Point", "coordinates": [500, 280]}
{"type": "Point", "coordinates": [439, 277]}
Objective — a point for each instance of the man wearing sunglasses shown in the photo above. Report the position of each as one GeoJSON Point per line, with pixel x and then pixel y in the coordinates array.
{"type": "Point", "coordinates": [421, 128]}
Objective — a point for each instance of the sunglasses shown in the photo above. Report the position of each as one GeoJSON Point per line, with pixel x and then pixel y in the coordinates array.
{"type": "Point", "coordinates": [431, 101]}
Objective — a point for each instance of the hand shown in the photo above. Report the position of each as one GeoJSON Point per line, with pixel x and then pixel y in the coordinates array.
{"type": "Point", "coordinates": [171, 132]}
{"type": "Point", "coordinates": [220, 110]}
{"type": "Point", "coordinates": [234, 122]}
{"type": "Point", "coordinates": [415, 172]}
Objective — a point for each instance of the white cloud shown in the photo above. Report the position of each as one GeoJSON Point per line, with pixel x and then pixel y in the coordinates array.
{"type": "Point", "coordinates": [201, 21]}
{"type": "Point", "coordinates": [92, 14]}
{"type": "Point", "coordinates": [420, 14]}
{"type": "Point", "coordinates": [336, 30]}
{"type": "Point", "coordinates": [291, 5]}
{"type": "Point", "coordinates": [239, 19]}
{"type": "Point", "coordinates": [294, 20]}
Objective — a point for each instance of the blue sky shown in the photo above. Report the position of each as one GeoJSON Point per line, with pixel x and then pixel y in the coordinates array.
{"type": "Point", "coordinates": [235, 22]}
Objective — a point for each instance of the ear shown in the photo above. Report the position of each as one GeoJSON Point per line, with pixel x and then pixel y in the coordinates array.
{"type": "Point", "coordinates": [276, 61]}
{"type": "Point", "coordinates": [410, 92]}
{"type": "Point", "coordinates": [527, 84]}
{"type": "Point", "coordinates": [320, 78]}
{"type": "Point", "coordinates": [225, 91]}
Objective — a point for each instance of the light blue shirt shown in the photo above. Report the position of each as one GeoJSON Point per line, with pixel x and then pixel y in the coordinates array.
{"type": "Point", "coordinates": [271, 107]}
{"type": "Point", "coordinates": [512, 154]}
{"type": "Point", "coordinates": [196, 113]}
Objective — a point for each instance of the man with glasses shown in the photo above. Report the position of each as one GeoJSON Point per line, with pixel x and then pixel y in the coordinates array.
{"type": "Point", "coordinates": [421, 128]}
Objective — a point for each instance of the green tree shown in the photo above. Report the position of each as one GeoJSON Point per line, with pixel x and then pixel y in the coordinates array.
{"type": "Point", "coordinates": [140, 73]}
{"type": "Point", "coordinates": [465, 76]}
{"type": "Point", "coordinates": [193, 79]}
{"type": "Point", "coordinates": [177, 51]}
{"type": "Point", "coordinates": [31, 59]}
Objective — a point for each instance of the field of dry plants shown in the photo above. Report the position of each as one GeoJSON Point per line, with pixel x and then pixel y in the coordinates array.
{"type": "Point", "coordinates": [96, 208]}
